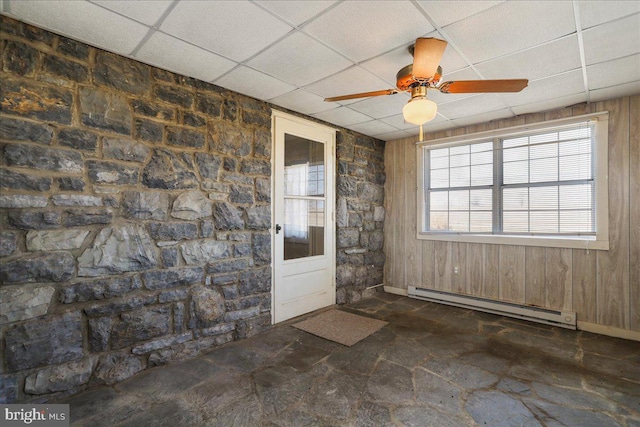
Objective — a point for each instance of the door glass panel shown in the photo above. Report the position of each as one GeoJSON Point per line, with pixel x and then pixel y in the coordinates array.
{"type": "Point", "coordinates": [304, 189]}
{"type": "Point", "coordinates": [303, 228]}
{"type": "Point", "coordinates": [303, 167]}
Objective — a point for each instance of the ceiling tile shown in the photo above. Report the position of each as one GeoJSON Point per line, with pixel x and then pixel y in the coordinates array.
{"type": "Point", "coordinates": [146, 11]}
{"type": "Point", "coordinates": [510, 27]}
{"type": "Point", "coordinates": [471, 106]}
{"type": "Point", "coordinates": [612, 40]}
{"type": "Point", "coordinates": [342, 116]}
{"type": "Point", "coordinates": [393, 136]}
{"type": "Point", "coordinates": [541, 61]}
{"type": "Point", "coordinates": [397, 121]}
{"type": "Point", "coordinates": [79, 20]}
{"type": "Point", "coordinates": [381, 106]}
{"type": "Point", "coordinates": [299, 60]}
{"type": "Point", "coordinates": [435, 127]}
{"type": "Point", "coordinates": [387, 66]}
{"type": "Point", "coordinates": [295, 12]}
{"type": "Point", "coordinates": [482, 118]}
{"type": "Point", "coordinates": [445, 13]}
{"type": "Point", "coordinates": [353, 80]}
{"type": "Point", "coordinates": [613, 73]}
{"type": "Point", "coordinates": [557, 86]}
{"type": "Point", "coordinates": [303, 102]}
{"type": "Point", "coordinates": [234, 29]}
{"type": "Point", "coordinates": [363, 29]}
{"type": "Point", "coordinates": [550, 104]}
{"type": "Point", "coordinates": [612, 92]}
{"type": "Point", "coordinates": [253, 83]}
{"type": "Point", "coordinates": [597, 12]}
{"type": "Point", "coordinates": [373, 127]}
{"type": "Point", "coordinates": [169, 53]}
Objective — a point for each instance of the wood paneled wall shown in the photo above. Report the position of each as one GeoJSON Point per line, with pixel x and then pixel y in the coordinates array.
{"type": "Point", "coordinates": [602, 287]}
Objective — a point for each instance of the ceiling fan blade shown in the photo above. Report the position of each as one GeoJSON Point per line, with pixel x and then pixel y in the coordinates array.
{"type": "Point", "coordinates": [483, 86]}
{"type": "Point", "coordinates": [427, 54]}
{"type": "Point", "coordinates": [362, 95]}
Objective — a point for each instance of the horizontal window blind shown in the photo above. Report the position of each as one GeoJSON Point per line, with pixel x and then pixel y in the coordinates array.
{"type": "Point", "coordinates": [537, 183]}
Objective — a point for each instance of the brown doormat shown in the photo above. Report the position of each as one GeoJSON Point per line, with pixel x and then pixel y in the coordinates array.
{"type": "Point", "coordinates": [340, 326]}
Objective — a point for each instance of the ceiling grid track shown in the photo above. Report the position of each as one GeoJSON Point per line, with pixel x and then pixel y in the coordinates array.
{"type": "Point", "coordinates": [155, 27]}
{"type": "Point", "coordinates": [583, 61]}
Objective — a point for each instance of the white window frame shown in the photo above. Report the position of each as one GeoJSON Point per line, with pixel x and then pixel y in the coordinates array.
{"type": "Point", "coordinates": [600, 152]}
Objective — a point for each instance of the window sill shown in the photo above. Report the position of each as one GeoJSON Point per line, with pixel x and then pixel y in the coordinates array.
{"type": "Point", "coordinates": [543, 241]}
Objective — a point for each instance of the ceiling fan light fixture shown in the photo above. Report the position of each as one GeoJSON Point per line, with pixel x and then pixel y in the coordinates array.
{"type": "Point", "coordinates": [419, 110]}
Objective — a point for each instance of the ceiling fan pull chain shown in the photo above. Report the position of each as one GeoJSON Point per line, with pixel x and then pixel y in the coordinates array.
{"type": "Point", "coordinates": [421, 138]}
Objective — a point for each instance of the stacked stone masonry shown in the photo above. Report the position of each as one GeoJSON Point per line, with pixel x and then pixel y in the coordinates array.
{"type": "Point", "coordinates": [135, 215]}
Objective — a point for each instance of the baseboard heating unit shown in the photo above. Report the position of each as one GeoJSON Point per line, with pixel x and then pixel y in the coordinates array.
{"type": "Point", "coordinates": [562, 319]}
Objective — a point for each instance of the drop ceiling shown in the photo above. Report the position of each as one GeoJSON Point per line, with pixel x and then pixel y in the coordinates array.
{"type": "Point", "coordinates": [295, 53]}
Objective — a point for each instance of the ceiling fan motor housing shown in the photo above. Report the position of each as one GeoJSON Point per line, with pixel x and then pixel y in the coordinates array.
{"type": "Point", "coordinates": [405, 79]}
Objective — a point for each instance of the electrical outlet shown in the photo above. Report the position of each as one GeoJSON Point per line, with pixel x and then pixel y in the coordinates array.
{"type": "Point", "coordinates": [456, 270]}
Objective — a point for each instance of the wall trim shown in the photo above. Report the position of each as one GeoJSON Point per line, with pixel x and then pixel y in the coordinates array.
{"type": "Point", "coordinates": [396, 291]}
{"type": "Point", "coordinates": [582, 326]}
{"type": "Point", "coordinates": [609, 330]}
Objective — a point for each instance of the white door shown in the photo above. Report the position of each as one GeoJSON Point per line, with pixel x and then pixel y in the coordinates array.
{"type": "Point", "coordinates": [304, 230]}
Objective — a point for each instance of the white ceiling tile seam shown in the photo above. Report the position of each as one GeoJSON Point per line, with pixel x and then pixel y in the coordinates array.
{"type": "Point", "coordinates": [583, 61]}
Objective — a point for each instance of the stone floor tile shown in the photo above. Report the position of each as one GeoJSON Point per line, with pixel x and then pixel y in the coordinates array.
{"type": "Point", "coordinates": [218, 391]}
{"type": "Point", "coordinates": [166, 414]}
{"type": "Point", "coordinates": [390, 383]}
{"type": "Point", "coordinates": [298, 418]}
{"type": "Point", "coordinates": [546, 370]}
{"type": "Point", "coordinates": [509, 385]}
{"type": "Point", "coordinates": [558, 415]}
{"type": "Point", "coordinates": [300, 357]}
{"type": "Point", "coordinates": [170, 380]}
{"type": "Point", "coordinates": [576, 398]}
{"type": "Point", "coordinates": [238, 357]}
{"type": "Point", "coordinates": [336, 396]}
{"type": "Point", "coordinates": [423, 368]}
{"type": "Point", "coordinates": [465, 375]}
{"type": "Point", "coordinates": [486, 361]}
{"type": "Point", "coordinates": [406, 352]}
{"type": "Point", "coordinates": [437, 392]}
{"type": "Point", "coordinates": [420, 416]}
{"type": "Point", "coordinates": [612, 366]}
{"type": "Point", "coordinates": [242, 412]}
{"type": "Point", "coordinates": [281, 387]}
{"type": "Point", "coordinates": [90, 402]}
{"type": "Point", "coordinates": [373, 415]}
{"type": "Point", "coordinates": [496, 409]}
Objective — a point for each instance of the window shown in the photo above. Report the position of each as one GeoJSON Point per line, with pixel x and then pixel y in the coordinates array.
{"type": "Point", "coordinates": [539, 185]}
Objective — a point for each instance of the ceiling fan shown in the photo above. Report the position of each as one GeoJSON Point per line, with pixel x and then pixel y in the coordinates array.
{"type": "Point", "coordinates": [425, 73]}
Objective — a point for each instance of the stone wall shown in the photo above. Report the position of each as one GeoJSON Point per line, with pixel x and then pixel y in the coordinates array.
{"type": "Point", "coordinates": [135, 215]}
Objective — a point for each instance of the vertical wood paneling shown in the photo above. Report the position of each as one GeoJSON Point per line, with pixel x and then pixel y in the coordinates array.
{"type": "Point", "coordinates": [512, 273]}
{"type": "Point", "coordinates": [600, 286]}
{"type": "Point", "coordinates": [492, 271]}
{"type": "Point", "coordinates": [390, 219]}
{"type": "Point", "coordinates": [584, 285]}
{"type": "Point", "coordinates": [634, 215]}
{"type": "Point", "coordinates": [475, 269]}
{"type": "Point", "coordinates": [613, 265]}
{"type": "Point", "coordinates": [558, 279]}
{"type": "Point", "coordinates": [459, 264]}
{"type": "Point", "coordinates": [442, 253]}
{"type": "Point", "coordinates": [413, 248]}
{"type": "Point", "coordinates": [428, 264]}
{"type": "Point", "coordinates": [535, 274]}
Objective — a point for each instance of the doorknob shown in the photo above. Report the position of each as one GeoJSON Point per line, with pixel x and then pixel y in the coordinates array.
{"type": "Point", "coordinates": [278, 228]}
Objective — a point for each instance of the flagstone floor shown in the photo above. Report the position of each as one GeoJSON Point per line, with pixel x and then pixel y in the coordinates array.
{"type": "Point", "coordinates": [432, 365]}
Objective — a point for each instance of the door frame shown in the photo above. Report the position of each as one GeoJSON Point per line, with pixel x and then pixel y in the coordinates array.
{"type": "Point", "coordinates": [330, 201]}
